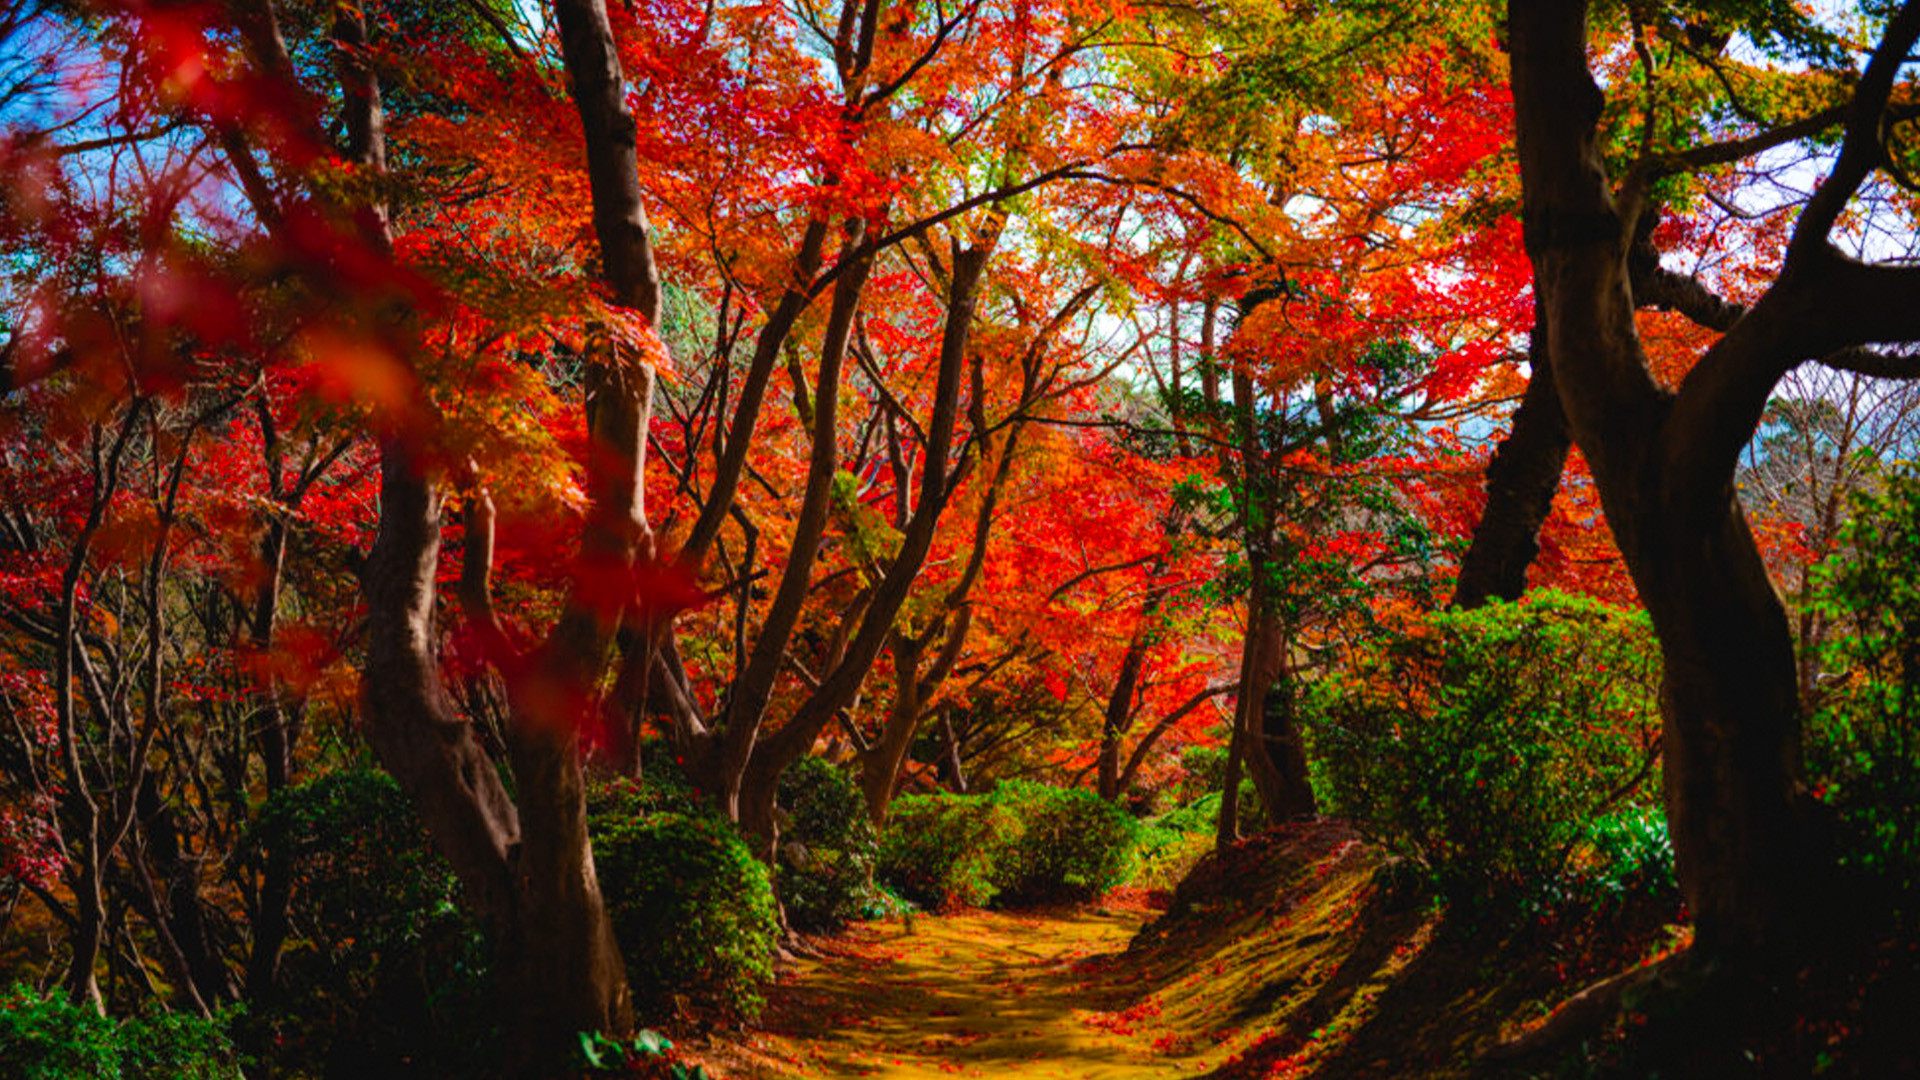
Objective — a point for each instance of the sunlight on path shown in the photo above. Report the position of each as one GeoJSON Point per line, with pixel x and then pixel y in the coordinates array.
{"type": "Point", "coordinates": [976, 994]}
{"type": "Point", "coordinates": [1291, 957]}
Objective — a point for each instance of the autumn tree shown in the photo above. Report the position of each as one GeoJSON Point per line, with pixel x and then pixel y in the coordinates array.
{"type": "Point", "coordinates": [1349, 210]}
{"type": "Point", "coordinates": [1665, 459]}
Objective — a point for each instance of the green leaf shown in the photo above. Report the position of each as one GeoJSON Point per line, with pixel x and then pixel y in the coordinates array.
{"type": "Point", "coordinates": [652, 1043]}
{"type": "Point", "coordinates": [590, 1049]}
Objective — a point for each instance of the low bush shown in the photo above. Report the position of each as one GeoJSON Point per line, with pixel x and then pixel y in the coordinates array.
{"type": "Point", "coordinates": [828, 848]}
{"type": "Point", "coordinates": [1203, 771]}
{"type": "Point", "coordinates": [939, 850]}
{"type": "Point", "coordinates": [1487, 744]}
{"type": "Point", "coordinates": [385, 967]}
{"type": "Point", "coordinates": [366, 880]}
{"type": "Point", "coordinates": [48, 1037]}
{"type": "Point", "coordinates": [662, 788]}
{"type": "Point", "coordinates": [1164, 856]}
{"type": "Point", "coordinates": [1627, 855]}
{"type": "Point", "coordinates": [1022, 843]}
{"type": "Point", "coordinates": [1202, 815]}
{"type": "Point", "coordinates": [1071, 844]}
{"type": "Point", "coordinates": [648, 1055]}
{"type": "Point", "coordinates": [177, 1046]}
{"type": "Point", "coordinates": [691, 907]}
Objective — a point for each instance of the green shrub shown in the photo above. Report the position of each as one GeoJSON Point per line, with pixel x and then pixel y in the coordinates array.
{"type": "Point", "coordinates": [1863, 740]}
{"type": "Point", "coordinates": [1487, 743]}
{"type": "Point", "coordinates": [939, 850]}
{"type": "Point", "coordinates": [1164, 856]}
{"type": "Point", "coordinates": [1204, 771]}
{"type": "Point", "coordinates": [47, 1037]}
{"type": "Point", "coordinates": [662, 789]}
{"type": "Point", "coordinates": [691, 907]}
{"type": "Point", "coordinates": [1200, 815]}
{"type": "Point", "coordinates": [647, 1054]}
{"type": "Point", "coordinates": [1627, 854]}
{"type": "Point", "coordinates": [1071, 844]}
{"type": "Point", "coordinates": [366, 879]}
{"type": "Point", "coordinates": [828, 850]}
{"type": "Point", "coordinates": [1203, 813]}
{"type": "Point", "coordinates": [177, 1046]}
{"type": "Point", "coordinates": [385, 967]}
{"type": "Point", "coordinates": [1022, 843]}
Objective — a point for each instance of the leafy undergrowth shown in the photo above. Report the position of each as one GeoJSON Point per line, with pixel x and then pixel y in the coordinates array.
{"type": "Point", "coordinates": [1301, 953]}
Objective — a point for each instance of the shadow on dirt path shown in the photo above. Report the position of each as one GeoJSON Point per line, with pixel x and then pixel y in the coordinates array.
{"type": "Point", "coordinates": [973, 994]}
{"type": "Point", "coordinates": [1302, 953]}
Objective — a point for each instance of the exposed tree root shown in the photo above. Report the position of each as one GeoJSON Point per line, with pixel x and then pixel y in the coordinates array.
{"type": "Point", "coordinates": [1592, 1010]}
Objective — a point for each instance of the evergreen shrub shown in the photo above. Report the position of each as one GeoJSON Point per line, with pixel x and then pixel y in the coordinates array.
{"type": "Point", "coordinates": [1490, 744]}
{"type": "Point", "coordinates": [45, 1036]}
{"type": "Point", "coordinates": [828, 847]}
{"type": "Point", "coordinates": [1022, 843]}
{"type": "Point", "coordinates": [384, 965]}
{"type": "Point", "coordinates": [691, 907]}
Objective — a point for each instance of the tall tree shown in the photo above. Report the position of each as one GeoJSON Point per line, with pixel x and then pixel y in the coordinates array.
{"type": "Point", "coordinates": [1664, 460]}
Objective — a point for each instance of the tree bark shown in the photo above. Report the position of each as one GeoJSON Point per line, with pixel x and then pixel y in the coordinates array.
{"type": "Point", "coordinates": [275, 743]}
{"type": "Point", "coordinates": [1227, 826]}
{"type": "Point", "coordinates": [880, 763]}
{"type": "Point", "coordinates": [411, 723]}
{"type": "Point", "coordinates": [747, 703]}
{"type": "Point", "coordinates": [1281, 740]}
{"type": "Point", "coordinates": [1526, 469]}
{"type": "Point", "coordinates": [1272, 749]}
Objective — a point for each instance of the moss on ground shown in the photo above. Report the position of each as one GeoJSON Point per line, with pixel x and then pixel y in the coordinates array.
{"type": "Point", "coordinates": [1301, 953]}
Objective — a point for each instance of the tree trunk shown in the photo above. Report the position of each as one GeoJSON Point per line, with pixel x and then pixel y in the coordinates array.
{"type": "Point", "coordinates": [880, 763]}
{"type": "Point", "coordinates": [952, 769]}
{"type": "Point", "coordinates": [420, 740]}
{"type": "Point", "coordinates": [748, 697]}
{"type": "Point", "coordinates": [1282, 741]}
{"type": "Point", "coordinates": [1119, 714]}
{"type": "Point", "coordinates": [1663, 462]}
{"type": "Point", "coordinates": [841, 685]}
{"type": "Point", "coordinates": [178, 913]}
{"type": "Point", "coordinates": [564, 956]}
{"type": "Point", "coordinates": [1227, 825]}
{"type": "Point", "coordinates": [1272, 749]}
{"type": "Point", "coordinates": [1735, 809]}
{"type": "Point", "coordinates": [90, 920]}
{"type": "Point", "coordinates": [276, 756]}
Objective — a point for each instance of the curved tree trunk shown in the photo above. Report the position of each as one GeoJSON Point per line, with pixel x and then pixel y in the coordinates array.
{"type": "Point", "coordinates": [524, 860]}
{"type": "Point", "coordinates": [1747, 852]}
{"type": "Point", "coordinates": [1119, 713]}
{"type": "Point", "coordinates": [1272, 747]}
{"type": "Point", "coordinates": [759, 780]}
{"type": "Point", "coordinates": [1283, 742]}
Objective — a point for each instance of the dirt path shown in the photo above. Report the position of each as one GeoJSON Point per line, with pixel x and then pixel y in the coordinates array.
{"type": "Point", "coordinates": [977, 994]}
{"type": "Point", "coordinates": [1289, 958]}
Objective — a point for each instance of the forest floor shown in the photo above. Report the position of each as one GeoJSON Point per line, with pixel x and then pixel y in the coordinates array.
{"type": "Point", "coordinates": [1299, 954]}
